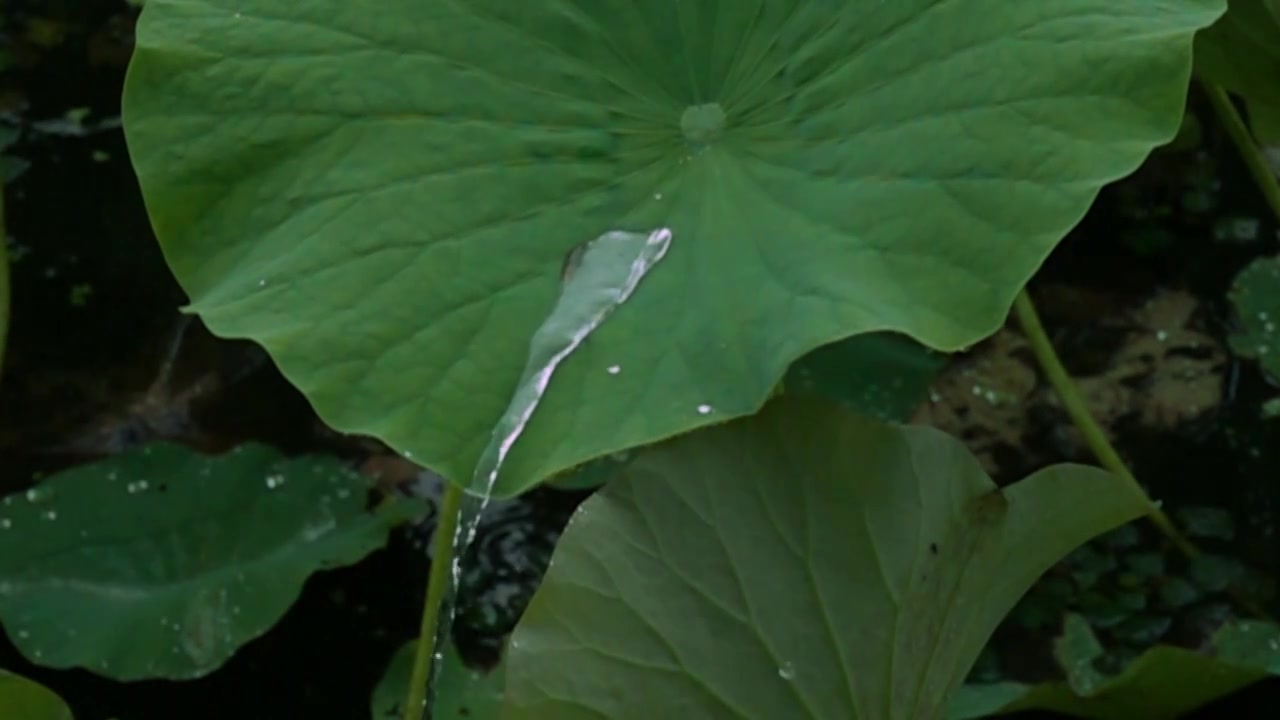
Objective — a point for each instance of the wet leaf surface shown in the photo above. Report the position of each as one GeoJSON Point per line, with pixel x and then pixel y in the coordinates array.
{"type": "Point", "coordinates": [802, 563]}
{"type": "Point", "coordinates": [161, 562]}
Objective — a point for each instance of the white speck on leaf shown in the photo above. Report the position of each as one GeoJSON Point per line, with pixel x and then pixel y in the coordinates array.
{"type": "Point", "coordinates": [615, 369]}
{"type": "Point", "coordinates": [704, 409]}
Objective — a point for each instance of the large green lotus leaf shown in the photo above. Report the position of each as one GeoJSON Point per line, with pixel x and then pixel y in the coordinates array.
{"type": "Point", "coordinates": [462, 693]}
{"type": "Point", "coordinates": [1162, 684]}
{"type": "Point", "coordinates": [1241, 52]}
{"type": "Point", "coordinates": [384, 199]}
{"type": "Point", "coordinates": [23, 699]}
{"type": "Point", "coordinates": [802, 563]}
{"type": "Point", "coordinates": [161, 562]}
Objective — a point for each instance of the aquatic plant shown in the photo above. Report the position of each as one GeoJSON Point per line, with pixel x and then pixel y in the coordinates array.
{"type": "Point", "coordinates": [511, 239]}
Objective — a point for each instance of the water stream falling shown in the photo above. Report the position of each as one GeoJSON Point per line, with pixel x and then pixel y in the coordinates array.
{"type": "Point", "coordinates": [605, 275]}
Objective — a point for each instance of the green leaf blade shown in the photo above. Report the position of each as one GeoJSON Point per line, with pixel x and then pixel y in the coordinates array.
{"type": "Point", "coordinates": [1164, 683]}
{"type": "Point", "coordinates": [384, 200]}
{"type": "Point", "coordinates": [25, 699]}
{"type": "Point", "coordinates": [1241, 52]}
{"type": "Point", "coordinates": [161, 563]}
{"type": "Point", "coordinates": [803, 563]}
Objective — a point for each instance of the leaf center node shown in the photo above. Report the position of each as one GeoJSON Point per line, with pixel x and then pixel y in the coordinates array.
{"type": "Point", "coordinates": [702, 124]}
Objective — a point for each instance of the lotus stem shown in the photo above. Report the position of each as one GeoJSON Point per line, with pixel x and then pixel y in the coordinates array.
{"type": "Point", "coordinates": [1073, 402]}
{"type": "Point", "coordinates": [1263, 176]}
{"type": "Point", "coordinates": [437, 584]}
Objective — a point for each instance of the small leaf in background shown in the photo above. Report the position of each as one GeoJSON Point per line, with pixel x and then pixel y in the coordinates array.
{"type": "Point", "coordinates": [884, 375]}
{"type": "Point", "coordinates": [821, 176]}
{"type": "Point", "coordinates": [805, 562]}
{"type": "Point", "coordinates": [1255, 293]}
{"type": "Point", "coordinates": [1200, 521]}
{"type": "Point", "coordinates": [1163, 683]}
{"type": "Point", "coordinates": [1144, 630]}
{"type": "Point", "coordinates": [464, 694]}
{"type": "Point", "coordinates": [1076, 650]}
{"type": "Point", "coordinates": [1214, 573]}
{"type": "Point", "coordinates": [1241, 52]}
{"type": "Point", "coordinates": [23, 699]}
{"type": "Point", "coordinates": [4, 280]}
{"type": "Point", "coordinates": [1177, 592]}
{"type": "Point", "coordinates": [591, 474]}
{"type": "Point", "coordinates": [1146, 565]}
{"type": "Point", "coordinates": [161, 562]}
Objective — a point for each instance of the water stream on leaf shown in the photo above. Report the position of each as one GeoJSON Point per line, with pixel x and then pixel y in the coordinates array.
{"type": "Point", "coordinates": [597, 281]}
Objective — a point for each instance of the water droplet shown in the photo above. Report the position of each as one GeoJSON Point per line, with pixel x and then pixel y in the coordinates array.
{"type": "Point", "coordinates": [787, 671]}
{"type": "Point", "coordinates": [51, 515]}
{"type": "Point", "coordinates": [5, 523]}
{"type": "Point", "coordinates": [657, 196]}
{"type": "Point", "coordinates": [614, 369]}
{"type": "Point", "coordinates": [274, 481]}
{"type": "Point", "coordinates": [262, 283]}
{"type": "Point", "coordinates": [1161, 336]}
{"type": "Point", "coordinates": [39, 494]}
{"type": "Point", "coordinates": [704, 409]}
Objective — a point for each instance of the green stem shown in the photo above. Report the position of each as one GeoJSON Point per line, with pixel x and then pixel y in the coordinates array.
{"type": "Point", "coordinates": [437, 585]}
{"type": "Point", "coordinates": [1263, 176]}
{"type": "Point", "coordinates": [1096, 439]}
{"type": "Point", "coordinates": [1078, 411]}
